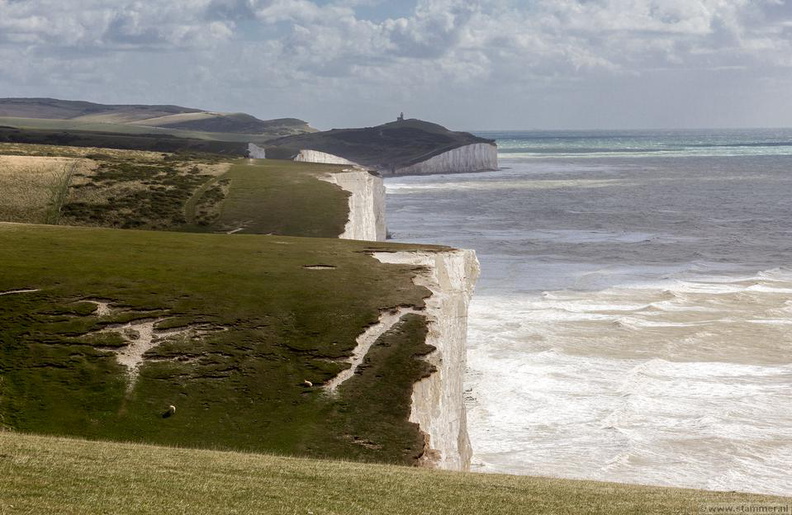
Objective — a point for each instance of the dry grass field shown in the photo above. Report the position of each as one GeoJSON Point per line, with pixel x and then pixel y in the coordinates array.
{"type": "Point", "coordinates": [32, 188]}
{"type": "Point", "coordinates": [101, 187]}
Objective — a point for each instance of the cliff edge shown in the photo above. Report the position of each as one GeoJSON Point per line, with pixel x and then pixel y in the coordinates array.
{"type": "Point", "coordinates": [437, 402]}
{"type": "Point", "coordinates": [366, 204]}
{"type": "Point", "coordinates": [450, 275]}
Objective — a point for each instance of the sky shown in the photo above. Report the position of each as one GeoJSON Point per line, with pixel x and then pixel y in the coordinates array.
{"type": "Point", "coordinates": [467, 64]}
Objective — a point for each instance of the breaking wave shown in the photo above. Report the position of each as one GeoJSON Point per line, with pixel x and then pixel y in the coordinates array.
{"type": "Point", "coordinates": [633, 320]}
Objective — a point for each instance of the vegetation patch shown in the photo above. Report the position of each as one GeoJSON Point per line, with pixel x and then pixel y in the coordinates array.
{"type": "Point", "coordinates": [240, 325]}
{"type": "Point", "coordinates": [141, 193]}
{"type": "Point", "coordinates": [204, 208]}
{"type": "Point", "coordinates": [53, 475]}
{"type": "Point", "coordinates": [175, 192]}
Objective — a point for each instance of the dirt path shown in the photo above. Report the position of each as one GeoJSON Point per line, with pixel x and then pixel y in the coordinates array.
{"type": "Point", "coordinates": [365, 341]}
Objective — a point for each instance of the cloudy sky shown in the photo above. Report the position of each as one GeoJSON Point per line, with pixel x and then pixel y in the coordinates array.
{"type": "Point", "coordinates": [468, 64]}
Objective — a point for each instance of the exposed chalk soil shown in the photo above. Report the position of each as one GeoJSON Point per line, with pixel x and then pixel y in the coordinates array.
{"type": "Point", "coordinates": [364, 342]}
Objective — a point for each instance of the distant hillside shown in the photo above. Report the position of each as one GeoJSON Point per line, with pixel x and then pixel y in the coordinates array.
{"type": "Point", "coordinates": [392, 145]}
{"type": "Point", "coordinates": [112, 118]}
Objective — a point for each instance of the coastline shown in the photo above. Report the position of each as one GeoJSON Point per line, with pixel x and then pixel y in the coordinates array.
{"type": "Point", "coordinates": [438, 406]}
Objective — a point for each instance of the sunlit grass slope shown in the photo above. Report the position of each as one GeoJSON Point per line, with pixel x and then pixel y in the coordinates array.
{"type": "Point", "coordinates": [241, 321]}
{"type": "Point", "coordinates": [33, 188]}
{"type": "Point", "coordinates": [50, 475]}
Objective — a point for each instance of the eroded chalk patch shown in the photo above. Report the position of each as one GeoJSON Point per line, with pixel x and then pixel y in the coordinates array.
{"type": "Point", "coordinates": [364, 342]}
{"type": "Point", "coordinates": [16, 292]}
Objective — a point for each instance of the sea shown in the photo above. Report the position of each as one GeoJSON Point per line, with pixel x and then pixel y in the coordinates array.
{"type": "Point", "coordinates": [633, 319]}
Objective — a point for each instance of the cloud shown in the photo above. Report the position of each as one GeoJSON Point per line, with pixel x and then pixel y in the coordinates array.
{"type": "Point", "coordinates": [230, 10]}
{"type": "Point", "coordinates": [574, 34]}
{"type": "Point", "coordinates": [111, 25]}
{"type": "Point", "coordinates": [305, 52]}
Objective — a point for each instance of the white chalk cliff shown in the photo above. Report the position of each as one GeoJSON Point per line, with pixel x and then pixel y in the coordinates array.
{"type": "Point", "coordinates": [366, 204]}
{"type": "Point", "coordinates": [315, 156]}
{"type": "Point", "coordinates": [477, 157]}
{"type": "Point", "coordinates": [256, 152]}
{"type": "Point", "coordinates": [437, 402]}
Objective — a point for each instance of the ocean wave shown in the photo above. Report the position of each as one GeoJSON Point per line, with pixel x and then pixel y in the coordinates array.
{"type": "Point", "coordinates": [637, 332]}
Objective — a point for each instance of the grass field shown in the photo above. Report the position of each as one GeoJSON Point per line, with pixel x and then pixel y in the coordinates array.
{"type": "Point", "coordinates": [256, 319]}
{"type": "Point", "coordinates": [32, 188]}
{"type": "Point", "coordinates": [50, 475]}
{"type": "Point", "coordinates": [100, 187]}
{"type": "Point", "coordinates": [283, 197]}
{"type": "Point", "coordinates": [133, 189]}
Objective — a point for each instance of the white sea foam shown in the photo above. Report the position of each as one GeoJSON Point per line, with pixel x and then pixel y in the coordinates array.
{"type": "Point", "coordinates": [634, 332]}
{"type": "Point", "coordinates": [610, 384]}
{"type": "Point", "coordinates": [542, 409]}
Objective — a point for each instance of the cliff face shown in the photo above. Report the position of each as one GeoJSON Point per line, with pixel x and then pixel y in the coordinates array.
{"type": "Point", "coordinates": [437, 402]}
{"type": "Point", "coordinates": [366, 204]}
{"type": "Point", "coordinates": [315, 156]}
{"type": "Point", "coordinates": [470, 158]}
{"type": "Point", "coordinates": [403, 147]}
{"type": "Point", "coordinates": [256, 152]}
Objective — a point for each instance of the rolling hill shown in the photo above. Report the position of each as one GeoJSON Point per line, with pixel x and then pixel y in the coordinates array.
{"type": "Point", "coordinates": [159, 116]}
{"type": "Point", "coordinates": [385, 147]}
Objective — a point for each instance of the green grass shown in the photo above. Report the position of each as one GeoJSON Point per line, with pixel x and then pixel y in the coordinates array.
{"type": "Point", "coordinates": [50, 475]}
{"type": "Point", "coordinates": [283, 197]}
{"type": "Point", "coordinates": [276, 324]}
{"type": "Point", "coordinates": [176, 192]}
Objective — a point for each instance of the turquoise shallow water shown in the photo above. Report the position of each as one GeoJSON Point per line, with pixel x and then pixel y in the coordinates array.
{"type": "Point", "coordinates": [680, 143]}
{"type": "Point", "coordinates": [633, 320]}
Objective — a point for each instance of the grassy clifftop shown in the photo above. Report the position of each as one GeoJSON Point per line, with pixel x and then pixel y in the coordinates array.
{"type": "Point", "coordinates": [149, 190]}
{"type": "Point", "coordinates": [103, 330]}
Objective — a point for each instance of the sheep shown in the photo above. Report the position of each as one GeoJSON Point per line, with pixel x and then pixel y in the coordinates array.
{"type": "Point", "coordinates": [169, 412]}
{"type": "Point", "coordinates": [306, 383]}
